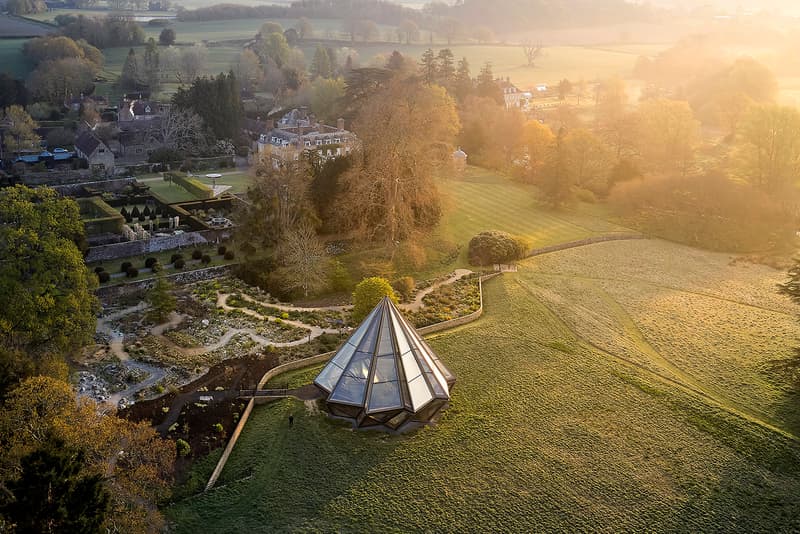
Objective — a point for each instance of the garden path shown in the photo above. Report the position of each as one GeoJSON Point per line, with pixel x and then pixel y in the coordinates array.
{"type": "Point", "coordinates": [416, 304]}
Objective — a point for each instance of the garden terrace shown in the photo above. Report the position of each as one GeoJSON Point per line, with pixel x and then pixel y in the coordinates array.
{"type": "Point", "coordinates": [594, 399]}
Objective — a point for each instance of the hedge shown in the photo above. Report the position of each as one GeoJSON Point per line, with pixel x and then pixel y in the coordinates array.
{"type": "Point", "coordinates": [192, 185]}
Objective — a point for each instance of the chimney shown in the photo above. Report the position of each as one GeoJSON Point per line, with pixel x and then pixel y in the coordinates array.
{"type": "Point", "coordinates": [340, 125]}
{"type": "Point", "coordinates": [270, 124]}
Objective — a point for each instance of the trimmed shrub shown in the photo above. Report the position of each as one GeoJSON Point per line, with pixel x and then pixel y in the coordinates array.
{"type": "Point", "coordinates": [221, 250]}
{"type": "Point", "coordinates": [149, 262]}
{"type": "Point", "coordinates": [180, 263]}
{"type": "Point", "coordinates": [229, 255]}
{"type": "Point", "coordinates": [125, 266]}
{"type": "Point", "coordinates": [494, 246]}
{"type": "Point", "coordinates": [404, 287]}
{"type": "Point", "coordinates": [132, 272]}
{"type": "Point", "coordinates": [175, 257]}
{"type": "Point", "coordinates": [368, 294]}
{"type": "Point", "coordinates": [103, 277]}
{"type": "Point", "coordinates": [135, 213]}
{"type": "Point", "coordinates": [99, 269]}
{"type": "Point", "coordinates": [206, 259]}
{"type": "Point", "coordinates": [197, 254]}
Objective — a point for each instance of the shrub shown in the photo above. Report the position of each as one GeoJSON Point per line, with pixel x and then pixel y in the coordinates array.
{"type": "Point", "coordinates": [125, 266]}
{"type": "Point", "coordinates": [132, 272]}
{"type": "Point", "coordinates": [175, 257]}
{"type": "Point", "coordinates": [205, 259]}
{"type": "Point", "coordinates": [229, 255]}
{"type": "Point", "coordinates": [180, 263]}
{"type": "Point", "coordinates": [99, 269]}
{"type": "Point", "coordinates": [197, 254]}
{"type": "Point", "coordinates": [103, 277]}
{"type": "Point", "coordinates": [495, 246]}
{"type": "Point", "coordinates": [182, 447]}
{"type": "Point", "coordinates": [584, 195]}
{"type": "Point", "coordinates": [135, 213]}
{"type": "Point", "coordinates": [221, 250]}
{"type": "Point", "coordinates": [149, 262]}
{"type": "Point", "coordinates": [218, 428]}
{"type": "Point", "coordinates": [368, 294]}
{"type": "Point", "coordinates": [156, 267]}
{"type": "Point", "coordinates": [404, 287]}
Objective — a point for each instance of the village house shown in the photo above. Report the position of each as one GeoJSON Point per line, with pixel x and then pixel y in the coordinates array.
{"type": "Point", "coordinates": [99, 156]}
{"type": "Point", "coordinates": [298, 132]}
{"type": "Point", "coordinates": [512, 96]}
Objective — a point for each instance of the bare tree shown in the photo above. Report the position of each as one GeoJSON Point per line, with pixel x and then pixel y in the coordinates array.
{"type": "Point", "coordinates": [181, 129]}
{"type": "Point", "coordinates": [532, 52]}
{"type": "Point", "coordinates": [303, 254]}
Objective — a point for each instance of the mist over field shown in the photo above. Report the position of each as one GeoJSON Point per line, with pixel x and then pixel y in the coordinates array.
{"type": "Point", "coordinates": [374, 266]}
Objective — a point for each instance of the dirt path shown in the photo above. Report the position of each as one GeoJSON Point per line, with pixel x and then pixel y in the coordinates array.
{"type": "Point", "coordinates": [222, 299]}
{"type": "Point", "coordinates": [416, 304]}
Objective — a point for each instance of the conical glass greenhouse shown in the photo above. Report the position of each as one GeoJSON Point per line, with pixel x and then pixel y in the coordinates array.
{"type": "Point", "coordinates": [385, 374]}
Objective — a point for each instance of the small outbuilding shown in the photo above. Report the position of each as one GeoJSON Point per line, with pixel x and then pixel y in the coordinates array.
{"type": "Point", "coordinates": [385, 375]}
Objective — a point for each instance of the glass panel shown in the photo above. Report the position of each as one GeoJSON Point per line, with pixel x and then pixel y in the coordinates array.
{"type": "Point", "coordinates": [437, 386]}
{"type": "Point", "coordinates": [359, 365]}
{"type": "Point", "coordinates": [370, 337]}
{"type": "Point", "coordinates": [410, 366]}
{"type": "Point", "coordinates": [399, 333]}
{"type": "Point", "coordinates": [385, 369]}
{"type": "Point", "coordinates": [355, 338]}
{"type": "Point", "coordinates": [420, 394]}
{"type": "Point", "coordinates": [343, 356]}
{"type": "Point", "coordinates": [329, 375]}
{"type": "Point", "coordinates": [426, 362]}
{"type": "Point", "coordinates": [423, 362]}
{"type": "Point", "coordinates": [384, 395]}
{"type": "Point", "coordinates": [349, 390]}
{"type": "Point", "coordinates": [385, 345]}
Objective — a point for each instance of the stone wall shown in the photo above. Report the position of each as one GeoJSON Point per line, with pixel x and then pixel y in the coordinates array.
{"type": "Point", "coordinates": [582, 242]}
{"type": "Point", "coordinates": [183, 277]}
{"type": "Point", "coordinates": [141, 247]}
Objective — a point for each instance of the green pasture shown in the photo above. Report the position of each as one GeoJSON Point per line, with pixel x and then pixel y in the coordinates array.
{"type": "Point", "coordinates": [580, 405]}
{"type": "Point", "coordinates": [11, 59]}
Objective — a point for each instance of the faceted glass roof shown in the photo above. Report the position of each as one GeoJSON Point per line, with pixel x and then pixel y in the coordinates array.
{"type": "Point", "coordinates": [385, 366]}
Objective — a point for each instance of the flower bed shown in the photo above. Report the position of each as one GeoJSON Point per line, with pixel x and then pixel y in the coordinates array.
{"type": "Point", "coordinates": [448, 302]}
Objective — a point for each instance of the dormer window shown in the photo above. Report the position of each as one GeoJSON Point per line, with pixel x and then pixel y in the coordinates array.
{"type": "Point", "coordinates": [319, 142]}
{"type": "Point", "coordinates": [337, 140]}
{"type": "Point", "coordinates": [308, 143]}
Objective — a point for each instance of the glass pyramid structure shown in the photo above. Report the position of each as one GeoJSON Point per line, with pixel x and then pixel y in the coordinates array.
{"type": "Point", "coordinates": [385, 374]}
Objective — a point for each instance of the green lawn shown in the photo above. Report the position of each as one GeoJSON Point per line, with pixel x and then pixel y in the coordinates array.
{"type": "Point", "coordinates": [11, 58]}
{"type": "Point", "coordinates": [296, 378]}
{"type": "Point", "coordinates": [170, 192]}
{"type": "Point", "coordinates": [564, 418]}
{"type": "Point", "coordinates": [483, 200]}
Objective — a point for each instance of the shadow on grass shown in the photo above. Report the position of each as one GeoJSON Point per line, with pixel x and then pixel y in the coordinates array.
{"type": "Point", "coordinates": [282, 477]}
{"type": "Point", "coordinates": [786, 374]}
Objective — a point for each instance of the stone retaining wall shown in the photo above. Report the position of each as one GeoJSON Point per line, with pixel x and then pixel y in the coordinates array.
{"type": "Point", "coordinates": [182, 277]}
{"type": "Point", "coordinates": [582, 242]}
{"type": "Point", "coordinates": [140, 247]}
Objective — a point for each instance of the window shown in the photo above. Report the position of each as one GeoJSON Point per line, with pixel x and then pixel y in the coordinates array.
{"type": "Point", "coordinates": [337, 140]}
{"type": "Point", "coordinates": [139, 150]}
{"type": "Point", "coordinates": [102, 150]}
{"type": "Point", "coordinates": [308, 143]}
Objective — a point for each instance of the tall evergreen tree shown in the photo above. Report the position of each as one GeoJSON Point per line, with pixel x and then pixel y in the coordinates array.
{"type": "Point", "coordinates": [446, 66]}
{"type": "Point", "coordinates": [131, 76]}
{"type": "Point", "coordinates": [486, 86]}
{"type": "Point", "coordinates": [151, 64]}
{"type": "Point", "coordinates": [463, 83]}
{"type": "Point", "coordinates": [321, 64]}
{"type": "Point", "coordinates": [217, 101]}
{"type": "Point", "coordinates": [427, 66]}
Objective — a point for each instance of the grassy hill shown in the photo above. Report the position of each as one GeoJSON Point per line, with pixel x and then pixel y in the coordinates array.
{"type": "Point", "coordinates": [620, 386]}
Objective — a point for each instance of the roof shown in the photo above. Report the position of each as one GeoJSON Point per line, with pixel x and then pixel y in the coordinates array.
{"type": "Point", "coordinates": [385, 373]}
{"type": "Point", "coordinates": [87, 142]}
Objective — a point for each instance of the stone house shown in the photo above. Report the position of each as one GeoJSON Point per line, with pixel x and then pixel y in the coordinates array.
{"type": "Point", "coordinates": [99, 156]}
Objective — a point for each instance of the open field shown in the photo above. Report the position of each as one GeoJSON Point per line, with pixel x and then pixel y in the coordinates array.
{"type": "Point", "coordinates": [607, 413]}
{"type": "Point", "coordinates": [483, 200]}
{"type": "Point", "coordinates": [11, 58]}
{"type": "Point", "coordinates": [11, 26]}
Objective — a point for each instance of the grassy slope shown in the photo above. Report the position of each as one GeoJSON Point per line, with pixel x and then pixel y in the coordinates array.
{"type": "Point", "coordinates": [485, 200]}
{"type": "Point", "coordinates": [543, 430]}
